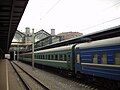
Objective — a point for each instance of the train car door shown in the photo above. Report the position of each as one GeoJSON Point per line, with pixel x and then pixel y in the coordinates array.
{"type": "Point", "coordinates": [77, 61]}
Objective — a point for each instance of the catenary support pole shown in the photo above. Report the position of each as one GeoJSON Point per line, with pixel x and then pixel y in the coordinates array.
{"type": "Point", "coordinates": [17, 52]}
{"type": "Point", "coordinates": [14, 55]}
{"type": "Point", "coordinates": [33, 48]}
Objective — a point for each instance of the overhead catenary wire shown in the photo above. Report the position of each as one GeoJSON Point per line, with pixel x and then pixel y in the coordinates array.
{"type": "Point", "coordinates": [110, 7]}
{"type": "Point", "coordinates": [108, 20]}
{"type": "Point", "coordinates": [101, 23]}
{"type": "Point", "coordinates": [50, 9]}
{"type": "Point", "coordinates": [117, 3]}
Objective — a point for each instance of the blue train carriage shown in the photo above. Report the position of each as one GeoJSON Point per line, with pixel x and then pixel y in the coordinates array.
{"type": "Point", "coordinates": [99, 58]}
{"type": "Point", "coordinates": [59, 57]}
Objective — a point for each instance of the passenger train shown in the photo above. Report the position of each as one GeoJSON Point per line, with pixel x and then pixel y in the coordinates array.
{"type": "Point", "coordinates": [99, 58]}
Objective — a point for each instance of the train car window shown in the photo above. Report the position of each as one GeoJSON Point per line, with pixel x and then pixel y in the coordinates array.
{"type": "Point", "coordinates": [65, 57]}
{"type": "Point", "coordinates": [104, 58]}
{"type": "Point", "coordinates": [78, 58]}
{"type": "Point", "coordinates": [95, 58]}
{"type": "Point", "coordinates": [68, 57]}
{"type": "Point", "coordinates": [56, 57]}
{"type": "Point", "coordinates": [60, 57]}
{"type": "Point", "coordinates": [43, 57]}
{"type": "Point", "coordinates": [117, 58]}
{"type": "Point", "coordinates": [40, 56]}
{"type": "Point", "coordinates": [52, 57]}
{"type": "Point", "coordinates": [34, 56]}
{"type": "Point", "coordinates": [48, 57]}
{"type": "Point", "coordinates": [37, 56]}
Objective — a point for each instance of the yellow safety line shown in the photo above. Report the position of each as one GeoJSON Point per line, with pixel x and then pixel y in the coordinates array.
{"type": "Point", "coordinates": [7, 83]}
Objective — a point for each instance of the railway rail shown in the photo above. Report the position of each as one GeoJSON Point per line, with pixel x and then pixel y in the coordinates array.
{"type": "Point", "coordinates": [29, 81]}
{"type": "Point", "coordinates": [55, 81]}
{"type": "Point", "coordinates": [94, 83]}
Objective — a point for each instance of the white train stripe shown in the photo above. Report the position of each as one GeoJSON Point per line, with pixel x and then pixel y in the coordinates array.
{"type": "Point", "coordinates": [101, 65]}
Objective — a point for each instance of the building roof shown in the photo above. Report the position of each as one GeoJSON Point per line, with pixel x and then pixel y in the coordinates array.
{"type": "Point", "coordinates": [69, 35]}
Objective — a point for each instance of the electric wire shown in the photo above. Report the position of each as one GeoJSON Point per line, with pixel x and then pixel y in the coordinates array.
{"type": "Point", "coordinates": [112, 6]}
{"type": "Point", "coordinates": [101, 23]}
{"type": "Point", "coordinates": [53, 6]}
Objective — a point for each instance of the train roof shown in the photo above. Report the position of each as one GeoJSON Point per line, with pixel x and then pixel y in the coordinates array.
{"type": "Point", "coordinates": [62, 48]}
{"type": "Point", "coordinates": [99, 43]}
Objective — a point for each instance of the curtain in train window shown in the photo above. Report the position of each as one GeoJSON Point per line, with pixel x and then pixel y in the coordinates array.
{"type": "Point", "coordinates": [117, 58]}
{"type": "Point", "coordinates": [78, 58]}
{"type": "Point", "coordinates": [95, 58]}
{"type": "Point", "coordinates": [104, 58]}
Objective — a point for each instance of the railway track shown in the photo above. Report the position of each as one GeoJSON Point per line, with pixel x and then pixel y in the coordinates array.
{"type": "Point", "coordinates": [87, 83]}
{"type": "Point", "coordinates": [94, 83]}
{"type": "Point", "coordinates": [58, 82]}
{"type": "Point", "coordinates": [29, 81]}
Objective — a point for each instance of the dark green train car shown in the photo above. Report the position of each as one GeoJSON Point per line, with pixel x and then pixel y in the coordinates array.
{"type": "Point", "coordinates": [27, 57]}
{"type": "Point", "coordinates": [60, 57]}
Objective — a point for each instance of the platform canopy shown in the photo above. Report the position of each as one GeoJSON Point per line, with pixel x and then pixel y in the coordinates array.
{"type": "Point", "coordinates": [11, 12]}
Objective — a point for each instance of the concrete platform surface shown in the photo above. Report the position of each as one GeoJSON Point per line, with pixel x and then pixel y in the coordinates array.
{"type": "Point", "coordinates": [3, 75]}
{"type": "Point", "coordinates": [8, 77]}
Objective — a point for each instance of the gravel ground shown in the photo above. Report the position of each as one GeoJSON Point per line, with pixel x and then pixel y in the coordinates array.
{"type": "Point", "coordinates": [52, 81]}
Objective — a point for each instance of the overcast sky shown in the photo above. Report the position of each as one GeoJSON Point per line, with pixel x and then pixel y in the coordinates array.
{"type": "Point", "coordinates": [85, 16]}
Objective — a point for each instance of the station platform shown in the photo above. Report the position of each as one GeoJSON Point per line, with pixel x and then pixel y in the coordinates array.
{"type": "Point", "coordinates": [3, 75]}
{"type": "Point", "coordinates": [8, 78]}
